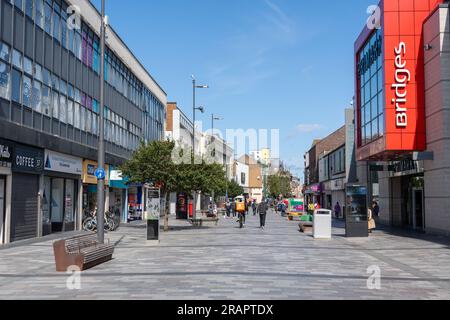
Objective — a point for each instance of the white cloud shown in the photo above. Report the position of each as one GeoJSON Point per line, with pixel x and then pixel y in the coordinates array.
{"type": "Point", "coordinates": [307, 128]}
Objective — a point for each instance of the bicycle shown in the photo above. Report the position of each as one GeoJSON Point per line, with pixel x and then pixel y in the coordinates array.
{"type": "Point", "coordinates": [90, 223]}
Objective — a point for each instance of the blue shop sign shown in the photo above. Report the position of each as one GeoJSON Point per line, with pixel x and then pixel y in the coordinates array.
{"type": "Point", "coordinates": [116, 180]}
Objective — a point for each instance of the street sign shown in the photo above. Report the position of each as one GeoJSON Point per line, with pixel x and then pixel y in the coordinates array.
{"type": "Point", "coordinates": [100, 173]}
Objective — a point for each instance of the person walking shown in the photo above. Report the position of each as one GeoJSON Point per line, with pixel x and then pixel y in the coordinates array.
{"type": "Point", "coordinates": [262, 210]}
{"type": "Point", "coordinates": [371, 221]}
{"type": "Point", "coordinates": [375, 210]}
{"type": "Point", "coordinates": [233, 208]}
{"type": "Point", "coordinates": [337, 210]}
{"type": "Point", "coordinates": [228, 208]}
{"type": "Point", "coordinates": [254, 207]}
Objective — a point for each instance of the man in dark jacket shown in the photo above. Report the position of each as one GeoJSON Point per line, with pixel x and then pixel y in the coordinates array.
{"type": "Point", "coordinates": [262, 210]}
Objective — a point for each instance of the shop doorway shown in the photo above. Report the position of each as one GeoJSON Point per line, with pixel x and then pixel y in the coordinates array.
{"type": "Point", "coordinates": [413, 209]}
{"type": "Point", "coordinates": [59, 205]}
{"type": "Point", "coordinates": [418, 209]}
{"type": "Point", "coordinates": [2, 208]}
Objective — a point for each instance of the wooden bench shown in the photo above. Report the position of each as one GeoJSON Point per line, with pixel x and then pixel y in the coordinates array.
{"type": "Point", "coordinates": [83, 251]}
{"type": "Point", "coordinates": [199, 222]}
{"type": "Point", "coordinates": [306, 226]}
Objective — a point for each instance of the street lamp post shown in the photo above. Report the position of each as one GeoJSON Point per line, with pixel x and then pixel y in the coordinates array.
{"type": "Point", "coordinates": [101, 142]}
{"type": "Point", "coordinates": [212, 131]}
{"type": "Point", "coordinates": [201, 109]}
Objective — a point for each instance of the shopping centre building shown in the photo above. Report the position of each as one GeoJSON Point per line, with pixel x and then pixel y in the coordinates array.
{"type": "Point", "coordinates": [49, 116]}
{"type": "Point", "coordinates": [402, 113]}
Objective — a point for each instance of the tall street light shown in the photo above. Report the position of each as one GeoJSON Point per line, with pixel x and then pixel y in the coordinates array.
{"type": "Point", "coordinates": [101, 142]}
{"type": "Point", "coordinates": [194, 108]}
{"type": "Point", "coordinates": [214, 118]}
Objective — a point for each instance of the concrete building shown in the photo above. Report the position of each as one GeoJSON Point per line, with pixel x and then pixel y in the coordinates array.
{"type": "Point", "coordinates": [255, 177]}
{"type": "Point", "coordinates": [408, 144]}
{"type": "Point", "coordinates": [49, 116]}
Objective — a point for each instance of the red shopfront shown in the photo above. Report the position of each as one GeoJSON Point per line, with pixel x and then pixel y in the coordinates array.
{"type": "Point", "coordinates": [389, 69]}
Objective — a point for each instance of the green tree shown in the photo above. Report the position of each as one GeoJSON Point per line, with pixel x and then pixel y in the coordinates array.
{"type": "Point", "coordinates": [153, 163]}
{"type": "Point", "coordinates": [279, 184]}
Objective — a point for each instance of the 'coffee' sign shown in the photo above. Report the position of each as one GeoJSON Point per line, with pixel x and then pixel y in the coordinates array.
{"type": "Point", "coordinates": [28, 159]}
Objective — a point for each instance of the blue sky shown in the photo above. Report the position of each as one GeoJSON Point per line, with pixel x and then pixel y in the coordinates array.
{"type": "Point", "coordinates": [271, 64]}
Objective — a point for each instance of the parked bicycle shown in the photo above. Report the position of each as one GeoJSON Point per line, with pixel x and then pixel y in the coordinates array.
{"type": "Point", "coordinates": [111, 223]}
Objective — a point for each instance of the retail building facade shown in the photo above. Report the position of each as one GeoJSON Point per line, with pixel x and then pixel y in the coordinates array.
{"type": "Point", "coordinates": [402, 113]}
{"type": "Point", "coordinates": [49, 113]}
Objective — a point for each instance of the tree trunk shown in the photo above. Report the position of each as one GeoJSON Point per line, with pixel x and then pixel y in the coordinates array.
{"type": "Point", "coordinates": [166, 211]}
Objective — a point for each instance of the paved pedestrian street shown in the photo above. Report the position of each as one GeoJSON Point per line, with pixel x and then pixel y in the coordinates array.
{"type": "Point", "coordinates": [225, 262]}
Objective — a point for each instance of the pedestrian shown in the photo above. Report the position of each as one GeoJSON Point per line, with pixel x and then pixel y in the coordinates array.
{"type": "Point", "coordinates": [375, 209]}
{"type": "Point", "coordinates": [254, 207]}
{"type": "Point", "coordinates": [262, 210]}
{"type": "Point", "coordinates": [233, 208]}
{"type": "Point", "coordinates": [337, 210]}
{"type": "Point", "coordinates": [372, 225]}
{"type": "Point", "coordinates": [228, 208]}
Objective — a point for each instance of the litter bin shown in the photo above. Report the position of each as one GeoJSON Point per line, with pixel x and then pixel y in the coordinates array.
{"type": "Point", "coordinates": [322, 224]}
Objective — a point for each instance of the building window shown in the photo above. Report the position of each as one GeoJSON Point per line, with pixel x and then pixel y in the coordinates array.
{"type": "Point", "coordinates": [56, 22]}
{"type": "Point", "coordinates": [62, 108]}
{"type": "Point", "coordinates": [39, 13]}
{"type": "Point", "coordinates": [36, 97]}
{"type": "Point", "coordinates": [48, 17]}
{"type": "Point", "coordinates": [28, 66]}
{"type": "Point", "coordinates": [29, 8]}
{"type": "Point", "coordinates": [46, 103]}
{"type": "Point", "coordinates": [19, 4]}
{"type": "Point", "coordinates": [17, 59]}
{"type": "Point", "coordinates": [76, 117]}
{"type": "Point", "coordinates": [4, 80]}
{"type": "Point", "coordinates": [370, 77]}
{"type": "Point", "coordinates": [16, 82]}
{"type": "Point", "coordinates": [55, 107]}
{"type": "Point", "coordinates": [26, 91]}
{"type": "Point", "coordinates": [4, 52]}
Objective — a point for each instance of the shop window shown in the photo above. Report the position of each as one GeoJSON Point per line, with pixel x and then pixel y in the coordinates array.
{"type": "Point", "coordinates": [16, 86]}
{"type": "Point", "coordinates": [4, 81]}
{"type": "Point", "coordinates": [57, 203]}
{"type": "Point", "coordinates": [36, 97]}
{"type": "Point", "coordinates": [69, 201]}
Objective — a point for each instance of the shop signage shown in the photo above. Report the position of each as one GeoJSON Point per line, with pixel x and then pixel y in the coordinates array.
{"type": "Point", "coordinates": [370, 57]}
{"type": "Point", "coordinates": [89, 169]}
{"type": "Point", "coordinates": [28, 159]}
{"type": "Point", "coordinates": [6, 153]}
{"type": "Point", "coordinates": [404, 166]}
{"type": "Point", "coordinates": [115, 175]}
{"type": "Point", "coordinates": [402, 78]}
{"type": "Point", "coordinates": [58, 162]}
